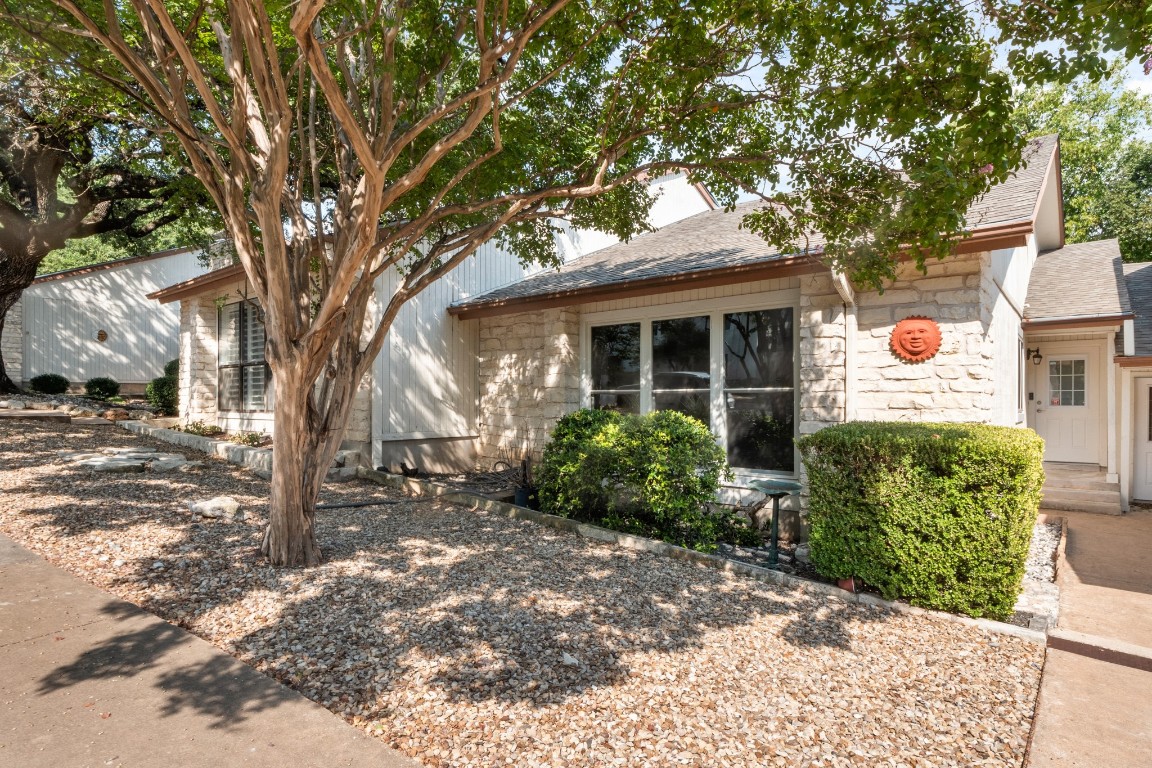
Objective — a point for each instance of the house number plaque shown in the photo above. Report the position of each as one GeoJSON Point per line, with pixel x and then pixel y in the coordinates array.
{"type": "Point", "coordinates": [915, 339]}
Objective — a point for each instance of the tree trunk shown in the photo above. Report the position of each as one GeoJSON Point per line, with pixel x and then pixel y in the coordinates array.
{"type": "Point", "coordinates": [7, 301]}
{"type": "Point", "coordinates": [17, 271]}
{"type": "Point", "coordinates": [291, 535]}
{"type": "Point", "coordinates": [304, 442]}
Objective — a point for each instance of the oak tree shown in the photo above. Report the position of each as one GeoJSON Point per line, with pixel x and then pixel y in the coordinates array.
{"type": "Point", "coordinates": [72, 167]}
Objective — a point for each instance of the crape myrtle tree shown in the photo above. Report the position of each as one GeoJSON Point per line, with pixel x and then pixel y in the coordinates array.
{"type": "Point", "coordinates": [73, 166]}
{"type": "Point", "coordinates": [342, 139]}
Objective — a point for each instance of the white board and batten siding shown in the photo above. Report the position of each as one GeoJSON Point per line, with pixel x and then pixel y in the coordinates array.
{"type": "Point", "coordinates": [63, 317]}
{"type": "Point", "coordinates": [425, 382]}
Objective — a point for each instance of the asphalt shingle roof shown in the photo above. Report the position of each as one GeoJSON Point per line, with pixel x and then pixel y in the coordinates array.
{"type": "Point", "coordinates": [1138, 281]}
{"type": "Point", "coordinates": [714, 240]}
{"type": "Point", "coordinates": [1081, 280]}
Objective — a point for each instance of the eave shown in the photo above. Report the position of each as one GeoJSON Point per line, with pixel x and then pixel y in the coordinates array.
{"type": "Point", "coordinates": [986, 239]}
{"type": "Point", "coordinates": [198, 285]}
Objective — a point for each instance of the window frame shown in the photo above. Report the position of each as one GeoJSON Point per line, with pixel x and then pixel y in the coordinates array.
{"type": "Point", "coordinates": [246, 306]}
{"type": "Point", "coordinates": [715, 309]}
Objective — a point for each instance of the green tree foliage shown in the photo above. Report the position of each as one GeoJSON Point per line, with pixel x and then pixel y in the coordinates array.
{"type": "Point", "coordinates": [419, 130]}
{"type": "Point", "coordinates": [1105, 153]}
{"type": "Point", "coordinates": [76, 163]}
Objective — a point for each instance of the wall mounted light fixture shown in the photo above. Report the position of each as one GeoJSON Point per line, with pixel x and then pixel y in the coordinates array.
{"type": "Point", "coordinates": [1034, 355]}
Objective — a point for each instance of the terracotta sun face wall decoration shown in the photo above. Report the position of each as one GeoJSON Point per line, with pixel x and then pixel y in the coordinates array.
{"type": "Point", "coordinates": [915, 339]}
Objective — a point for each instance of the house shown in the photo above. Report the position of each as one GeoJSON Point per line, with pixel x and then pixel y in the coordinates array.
{"type": "Point", "coordinates": [97, 321]}
{"type": "Point", "coordinates": [702, 316]}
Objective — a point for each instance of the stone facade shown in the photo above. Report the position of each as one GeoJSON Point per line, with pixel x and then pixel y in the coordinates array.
{"type": "Point", "coordinates": [12, 343]}
{"type": "Point", "coordinates": [958, 384]}
{"type": "Point", "coordinates": [198, 360]}
{"type": "Point", "coordinates": [529, 378]}
{"type": "Point", "coordinates": [529, 362]}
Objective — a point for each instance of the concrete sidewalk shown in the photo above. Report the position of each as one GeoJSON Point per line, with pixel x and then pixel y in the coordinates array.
{"type": "Point", "coordinates": [89, 680]}
{"type": "Point", "coordinates": [1094, 713]}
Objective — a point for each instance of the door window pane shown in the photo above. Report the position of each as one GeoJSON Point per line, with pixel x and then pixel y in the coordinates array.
{"type": "Point", "coordinates": [759, 389]}
{"type": "Point", "coordinates": [616, 367]}
{"type": "Point", "coordinates": [1067, 382]}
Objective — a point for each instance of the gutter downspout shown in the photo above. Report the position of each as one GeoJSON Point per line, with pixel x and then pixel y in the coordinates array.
{"type": "Point", "coordinates": [844, 288]}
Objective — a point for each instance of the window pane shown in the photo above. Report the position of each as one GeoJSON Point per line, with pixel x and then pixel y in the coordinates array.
{"type": "Point", "coordinates": [616, 357]}
{"type": "Point", "coordinates": [758, 349]}
{"type": "Point", "coordinates": [1078, 367]}
{"type": "Point", "coordinates": [229, 389]}
{"type": "Point", "coordinates": [680, 358]}
{"type": "Point", "coordinates": [230, 334]}
{"type": "Point", "coordinates": [760, 429]}
{"type": "Point", "coordinates": [694, 404]}
{"type": "Point", "coordinates": [625, 402]}
{"type": "Point", "coordinates": [253, 335]}
{"type": "Point", "coordinates": [1078, 398]}
{"type": "Point", "coordinates": [255, 381]}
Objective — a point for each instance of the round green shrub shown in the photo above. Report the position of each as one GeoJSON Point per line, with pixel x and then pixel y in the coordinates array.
{"type": "Point", "coordinates": [672, 466]}
{"type": "Point", "coordinates": [940, 515]}
{"type": "Point", "coordinates": [579, 468]}
{"type": "Point", "coordinates": [101, 387]}
{"type": "Point", "coordinates": [650, 475]}
{"type": "Point", "coordinates": [163, 394]}
{"type": "Point", "coordinates": [49, 384]}
{"type": "Point", "coordinates": [172, 369]}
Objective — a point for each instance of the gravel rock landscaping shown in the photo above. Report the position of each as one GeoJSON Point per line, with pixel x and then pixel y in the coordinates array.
{"type": "Point", "coordinates": [467, 639]}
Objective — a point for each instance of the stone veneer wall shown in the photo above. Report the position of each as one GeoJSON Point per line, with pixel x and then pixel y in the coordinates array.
{"type": "Point", "coordinates": [198, 356]}
{"type": "Point", "coordinates": [12, 343]}
{"type": "Point", "coordinates": [957, 384]}
{"type": "Point", "coordinates": [529, 363]}
{"type": "Point", "coordinates": [529, 378]}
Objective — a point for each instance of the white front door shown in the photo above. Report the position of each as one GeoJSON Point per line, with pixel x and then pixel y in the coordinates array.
{"type": "Point", "coordinates": [1142, 480]}
{"type": "Point", "coordinates": [1069, 407]}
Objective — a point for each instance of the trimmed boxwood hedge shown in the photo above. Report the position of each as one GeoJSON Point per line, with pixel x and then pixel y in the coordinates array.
{"type": "Point", "coordinates": [49, 384]}
{"type": "Point", "coordinates": [939, 515]}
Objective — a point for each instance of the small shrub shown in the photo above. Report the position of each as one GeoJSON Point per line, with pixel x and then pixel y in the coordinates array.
{"type": "Point", "coordinates": [101, 387]}
{"type": "Point", "coordinates": [172, 369]}
{"type": "Point", "coordinates": [652, 475]}
{"type": "Point", "coordinates": [253, 439]}
{"type": "Point", "coordinates": [163, 394]}
{"type": "Point", "coordinates": [580, 469]}
{"type": "Point", "coordinates": [203, 429]}
{"type": "Point", "coordinates": [940, 515]}
{"type": "Point", "coordinates": [49, 384]}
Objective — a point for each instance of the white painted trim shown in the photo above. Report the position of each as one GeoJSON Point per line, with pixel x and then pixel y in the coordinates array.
{"type": "Point", "coordinates": [1130, 337]}
{"type": "Point", "coordinates": [1011, 302]}
{"type": "Point", "coordinates": [1113, 474]}
{"type": "Point", "coordinates": [1127, 437]}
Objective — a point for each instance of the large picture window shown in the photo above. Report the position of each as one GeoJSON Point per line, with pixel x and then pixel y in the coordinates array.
{"type": "Point", "coordinates": [244, 382]}
{"type": "Point", "coordinates": [735, 371]}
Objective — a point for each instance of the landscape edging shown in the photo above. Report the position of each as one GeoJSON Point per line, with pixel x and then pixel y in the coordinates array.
{"type": "Point", "coordinates": [242, 455]}
{"type": "Point", "coordinates": [766, 575]}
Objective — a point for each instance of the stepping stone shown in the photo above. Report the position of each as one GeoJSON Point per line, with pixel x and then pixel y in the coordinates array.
{"type": "Point", "coordinates": [219, 507]}
{"type": "Point", "coordinates": [110, 464]}
{"type": "Point", "coordinates": [167, 465]}
{"type": "Point", "coordinates": [125, 451]}
{"type": "Point", "coordinates": [29, 415]}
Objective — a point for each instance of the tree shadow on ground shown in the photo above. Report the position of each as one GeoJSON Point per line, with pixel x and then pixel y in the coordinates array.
{"type": "Point", "coordinates": [473, 605]}
{"type": "Point", "coordinates": [218, 687]}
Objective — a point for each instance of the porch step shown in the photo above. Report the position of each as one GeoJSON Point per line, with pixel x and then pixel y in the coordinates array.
{"type": "Point", "coordinates": [1079, 488]}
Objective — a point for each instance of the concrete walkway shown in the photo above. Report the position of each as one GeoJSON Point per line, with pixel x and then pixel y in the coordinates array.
{"type": "Point", "coordinates": [89, 680]}
{"type": "Point", "coordinates": [1096, 713]}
